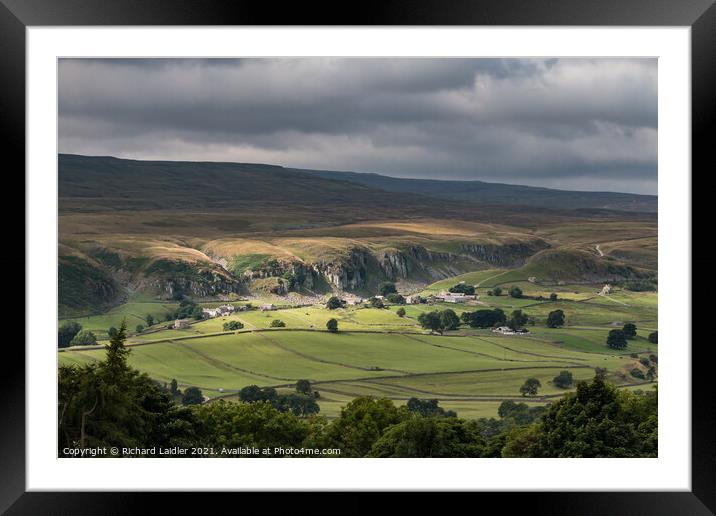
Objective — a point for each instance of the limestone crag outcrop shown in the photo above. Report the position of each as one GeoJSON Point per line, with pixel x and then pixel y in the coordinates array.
{"type": "Point", "coordinates": [349, 273]}
{"type": "Point", "coordinates": [504, 255]}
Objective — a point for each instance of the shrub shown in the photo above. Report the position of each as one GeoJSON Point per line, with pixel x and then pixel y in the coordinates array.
{"type": "Point", "coordinates": [278, 323]}
{"type": "Point", "coordinates": [516, 292]}
{"type": "Point", "coordinates": [400, 312]}
{"type": "Point", "coordinates": [637, 373]}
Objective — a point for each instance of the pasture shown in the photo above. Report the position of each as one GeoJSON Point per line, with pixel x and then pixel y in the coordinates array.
{"type": "Point", "coordinates": [377, 353]}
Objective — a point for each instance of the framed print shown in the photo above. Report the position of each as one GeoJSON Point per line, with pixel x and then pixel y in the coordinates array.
{"type": "Point", "coordinates": [414, 250]}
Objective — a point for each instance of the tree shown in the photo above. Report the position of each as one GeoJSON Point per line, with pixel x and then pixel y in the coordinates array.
{"type": "Point", "coordinates": [463, 288]}
{"type": "Point", "coordinates": [84, 338]}
{"type": "Point", "coordinates": [197, 313]}
{"type": "Point", "coordinates": [334, 302]}
{"type": "Point", "coordinates": [278, 323]}
{"type": "Point", "coordinates": [249, 425]}
{"type": "Point", "coordinates": [654, 337]}
{"type": "Point", "coordinates": [484, 318]}
{"type": "Point", "coordinates": [360, 424]}
{"type": "Point", "coordinates": [519, 413]}
{"type": "Point", "coordinates": [233, 325]}
{"type": "Point", "coordinates": [67, 332]}
{"type": "Point", "coordinates": [192, 396]}
{"type": "Point", "coordinates": [304, 387]}
{"type": "Point", "coordinates": [564, 380]}
{"type": "Point", "coordinates": [629, 330]}
{"type": "Point", "coordinates": [431, 437]}
{"type": "Point", "coordinates": [497, 291]}
{"type": "Point", "coordinates": [428, 408]}
{"type": "Point", "coordinates": [598, 421]}
{"type": "Point", "coordinates": [376, 303]}
{"type": "Point", "coordinates": [400, 312]}
{"type": "Point", "coordinates": [516, 292]}
{"type": "Point", "coordinates": [108, 403]}
{"type": "Point", "coordinates": [139, 328]}
{"type": "Point", "coordinates": [430, 321]}
{"type": "Point", "coordinates": [449, 320]}
{"type": "Point", "coordinates": [387, 287]}
{"type": "Point", "coordinates": [530, 387]}
{"type": "Point", "coordinates": [297, 404]}
{"type": "Point", "coordinates": [174, 387]}
{"type": "Point", "coordinates": [555, 319]}
{"type": "Point", "coordinates": [396, 299]}
{"type": "Point", "coordinates": [616, 339]}
{"type": "Point", "coordinates": [518, 320]}
{"type": "Point", "coordinates": [149, 319]}
{"type": "Point", "coordinates": [111, 332]}
{"type": "Point", "coordinates": [332, 325]}
{"type": "Point", "coordinates": [254, 394]}
{"type": "Point", "coordinates": [553, 296]}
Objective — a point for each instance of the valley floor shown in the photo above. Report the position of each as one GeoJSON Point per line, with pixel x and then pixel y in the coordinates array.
{"type": "Point", "coordinates": [376, 352]}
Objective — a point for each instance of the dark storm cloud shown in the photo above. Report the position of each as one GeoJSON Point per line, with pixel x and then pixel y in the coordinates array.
{"type": "Point", "coordinates": [569, 123]}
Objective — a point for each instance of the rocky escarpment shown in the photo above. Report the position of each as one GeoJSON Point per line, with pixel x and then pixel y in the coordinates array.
{"type": "Point", "coordinates": [360, 268]}
{"type": "Point", "coordinates": [348, 273]}
{"type": "Point", "coordinates": [194, 279]}
{"type": "Point", "coordinates": [411, 261]}
{"type": "Point", "coordinates": [504, 255]}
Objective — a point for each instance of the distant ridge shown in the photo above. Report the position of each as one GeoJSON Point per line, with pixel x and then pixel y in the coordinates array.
{"type": "Point", "coordinates": [499, 193]}
{"type": "Point", "coordinates": [135, 183]}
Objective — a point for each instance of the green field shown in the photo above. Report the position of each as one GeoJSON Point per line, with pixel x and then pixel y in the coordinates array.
{"type": "Point", "coordinates": [378, 353]}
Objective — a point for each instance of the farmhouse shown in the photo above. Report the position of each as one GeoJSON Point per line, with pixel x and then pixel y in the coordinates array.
{"type": "Point", "coordinates": [606, 289]}
{"type": "Point", "coordinates": [267, 307]}
{"type": "Point", "coordinates": [219, 311]}
{"type": "Point", "coordinates": [181, 323]}
{"type": "Point", "coordinates": [506, 330]}
{"type": "Point", "coordinates": [413, 300]}
{"type": "Point", "coordinates": [455, 297]}
{"type": "Point", "coordinates": [208, 313]}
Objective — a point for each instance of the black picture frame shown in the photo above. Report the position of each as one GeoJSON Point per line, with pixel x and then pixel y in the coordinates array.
{"type": "Point", "coordinates": [700, 15]}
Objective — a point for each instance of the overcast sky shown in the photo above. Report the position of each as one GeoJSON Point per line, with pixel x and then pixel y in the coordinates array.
{"type": "Point", "coordinates": [583, 124]}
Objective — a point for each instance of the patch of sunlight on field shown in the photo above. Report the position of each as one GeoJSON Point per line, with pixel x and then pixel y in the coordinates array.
{"type": "Point", "coordinates": [505, 383]}
{"type": "Point", "coordinates": [135, 313]}
{"type": "Point", "coordinates": [395, 352]}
